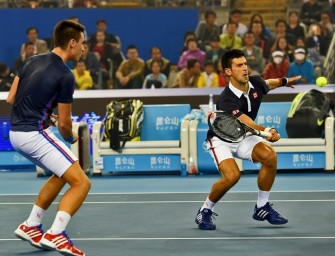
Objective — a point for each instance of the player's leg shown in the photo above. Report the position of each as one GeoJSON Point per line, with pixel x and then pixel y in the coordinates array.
{"type": "Point", "coordinates": [230, 174]}
{"type": "Point", "coordinates": [265, 154]}
{"type": "Point", "coordinates": [68, 206]}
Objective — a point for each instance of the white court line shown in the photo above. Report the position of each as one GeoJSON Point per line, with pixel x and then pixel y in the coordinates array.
{"type": "Point", "coordinates": [192, 238]}
{"type": "Point", "coordinates": [177, 202]}
{"type": "Point", "coordinates": [199, 192]}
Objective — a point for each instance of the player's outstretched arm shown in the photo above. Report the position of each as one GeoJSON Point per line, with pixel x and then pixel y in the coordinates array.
{"type": "Point", "coordinates": [274, 83]}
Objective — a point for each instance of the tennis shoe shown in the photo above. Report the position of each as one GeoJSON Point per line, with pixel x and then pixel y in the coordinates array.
{"type": "Point", "coordinates": [31, 234]}
{"type": "Point", "coordinates": [204, 219]}
{"type": "Point", "coordinates": [61, 243]}
{"type": "Point", "coordinates": [266, 212]}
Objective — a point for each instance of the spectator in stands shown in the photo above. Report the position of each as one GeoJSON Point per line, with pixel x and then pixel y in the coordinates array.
{"type": "Point", "coordinates": [277, 67]}
{"type": "Point", "coordinates": [192, 52]}
{"type": "Point", "coordinates": [253, 54]}
{"type": "Point", "coordinates": [316, 40]}
{"type": "Point", "coordinates": [189, 76]}
{"type": "Point", "coordinates": [28, 51]}
{"type": "Point", "coordinates": [327, 28]}
{"type": "Point", "coordinates": [207, 29]}
{"type": "Point", "coordinates": [32, 36]}
{"type": "Point", "coordinates": [280, 28]}
{"type": "Point", "coordinates": [261, 40]}
{"type": "Point", "coordinates": [257, 17]}
{"type": "Point", "coordinates": [223, 78]}
{"type": "Point", "coordinates": [236, 17]}
{"type": "Point", "coordinates": [331, 11]}
{"type": "Point", "coordinates": [82, 76]}
{"type": "Point", "coordinates": [92, 64]}
{"type": "Point", "coordinates": [130, 73]}
{"type": "Point", "coordinates": [165, 65]}
{"type": "Point", "coordinates": [230, 40]}
{"type": "Point", "coordinates": [85, 4]}
{"type": "Point", "coordinates": [311, 12]}
{"type": "Point", "coordinates": [31, 3]}
{"type": "Point", "coordinates": [209, 78]}
{"type": "Point", "coordinates": [188, 35]}
{"type": "Point", "coordinates": [102, 26]}
{"type": "Point", "coordinates": [216, 52]}
{"type": "Point", "coordinates": [302, 66]}
{"type": "Point", "coordinates": [282, 45]}
{"type": "Point", "coordinates": [313, 56]}
{"type": "Point", "coordinates": [5, 78]}
{"type": "Point", "coordinates": [294, 26]}
{"type": "Point", "coordinates": [156, 79]}
{"type": "Point", "coordinates": [104, 53]}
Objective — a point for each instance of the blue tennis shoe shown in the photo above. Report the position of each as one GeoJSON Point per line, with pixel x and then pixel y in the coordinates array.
{"type": "Point", "coordinates": [266, 212]}
{"type": "Point", "coordinates": [204, 219]}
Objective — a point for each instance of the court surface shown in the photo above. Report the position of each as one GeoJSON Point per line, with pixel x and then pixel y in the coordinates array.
{"type": "Point", "coordinates": [154, 216]}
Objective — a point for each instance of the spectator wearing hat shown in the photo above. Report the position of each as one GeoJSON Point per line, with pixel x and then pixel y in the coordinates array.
{"type": "Point", "coordinates": [5, 79]}
{"type": "Point", "coordinates": [206, 30]}
{"type": "Point", "coordinates": [301, 66]}
{"type": "Point", "coordinates": [253, 54]}
{"type": "Point", "coordinates": [216, 52]}
{"type": "Point", "coordinates": [277, 67]}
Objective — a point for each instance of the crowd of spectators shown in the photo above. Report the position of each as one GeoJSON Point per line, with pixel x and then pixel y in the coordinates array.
{"type": "Point", "coordinates": [298, 46]}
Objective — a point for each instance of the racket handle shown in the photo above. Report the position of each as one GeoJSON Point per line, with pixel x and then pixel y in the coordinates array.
{"type": "Point", "coordinates": [265, 134]}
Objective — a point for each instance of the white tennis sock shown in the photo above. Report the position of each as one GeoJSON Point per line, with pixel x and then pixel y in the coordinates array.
{"type": "Point", "coordinates": [208, 205]}
{"type": "Point", "coordinates": [60, 222]}
{"type": "Point", "coordinates": [263, 198]}
{"type": "Point", "coordinates": [35, 217]}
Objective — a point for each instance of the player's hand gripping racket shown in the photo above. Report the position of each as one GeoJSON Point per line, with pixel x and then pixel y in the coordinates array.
{"type": "Point", "coordinates": [230, 129]}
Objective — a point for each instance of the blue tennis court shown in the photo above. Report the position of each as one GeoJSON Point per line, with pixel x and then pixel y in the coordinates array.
{"type": "Point", "coordinates": [154, 215]}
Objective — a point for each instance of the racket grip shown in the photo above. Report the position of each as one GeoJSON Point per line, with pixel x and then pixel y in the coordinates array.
{"type": "Point", "coordinates": [265, 134]}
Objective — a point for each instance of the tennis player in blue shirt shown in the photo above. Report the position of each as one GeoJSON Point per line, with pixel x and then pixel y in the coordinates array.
{"type": "Point", "coordinates": [242, 98]}
{"type": "Point", "coordinates": [45, 82]}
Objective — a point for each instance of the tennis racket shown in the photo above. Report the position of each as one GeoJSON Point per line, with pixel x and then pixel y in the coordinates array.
{"type": "Point", "coordinates": [230, 129]}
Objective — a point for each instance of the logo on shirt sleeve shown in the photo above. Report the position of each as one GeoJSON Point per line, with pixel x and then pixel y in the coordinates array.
{"type": "Point", "coordinates": [235, 111]}
{"type": "Point", "coordinates": [255, 95]}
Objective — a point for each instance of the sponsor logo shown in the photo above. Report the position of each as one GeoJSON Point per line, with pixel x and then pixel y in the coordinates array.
{"type": "Point", "coordinates": [320, 122]}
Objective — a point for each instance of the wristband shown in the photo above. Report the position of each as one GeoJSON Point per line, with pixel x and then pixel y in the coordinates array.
{"type": "Point", "coordinates": [71, 139]}
{"type": "Point", "coordinates": [283, 81]}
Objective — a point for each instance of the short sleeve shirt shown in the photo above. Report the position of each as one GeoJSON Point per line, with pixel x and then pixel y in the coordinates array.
{"type": "Point", "coordinates": [44, 82]}
{"type": "Point", "coordinates": [234, 101]}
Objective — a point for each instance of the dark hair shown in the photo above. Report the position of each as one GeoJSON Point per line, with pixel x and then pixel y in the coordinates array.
{"type": "Point", "coordinates": [228, 56]}
{"type": "Point", "coordinates": [101, 21]}
{"type": "Point", "coordinates": [281, 21]}
{"type": "Point", "coordinates": [155, 47]}
{"type": "Point", "coordinates": [66, 30]}
{"type": "Point", "coordinates": [234, 11]}
{"type": "Point", "coordinates": [209, 12]}
{"type": "Point", "coordinates": [189, 33]}
{"type": "Point", "coordinates": [30, 29]}
{"type": "Point", "coordinates": [131, 46]}
{"type": "Point", "coordinates": [191, 63]}
{"type": "Point", "coordinates": [28, 43]}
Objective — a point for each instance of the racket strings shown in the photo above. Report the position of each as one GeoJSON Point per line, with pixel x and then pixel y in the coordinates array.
{"type": "Point", "coordinates": [227, 127]}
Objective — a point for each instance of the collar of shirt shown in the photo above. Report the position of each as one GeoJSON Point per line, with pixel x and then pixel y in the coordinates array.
{"type": "Point", "coordinates": [238, 92]}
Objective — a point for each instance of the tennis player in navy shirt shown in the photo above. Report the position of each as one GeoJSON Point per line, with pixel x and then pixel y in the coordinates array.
{"type": "Point", "coordinates": [45, 82]}
{"type": "Point", "coordinates": [242, 98]}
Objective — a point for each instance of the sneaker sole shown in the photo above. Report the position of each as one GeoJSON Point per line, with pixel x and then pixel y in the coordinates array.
{"type": "Point", "coordinates": [68, 253]}
{"type": "Point", "coordinates": [21, 235]}
{"type": "Point", "coordinates": [49, 246]}
{"type": "Point", "coordinates": [273, 223]}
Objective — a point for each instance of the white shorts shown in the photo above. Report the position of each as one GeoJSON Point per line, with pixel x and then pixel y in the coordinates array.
{"type": "Point", "coordinates": [44, 149]}
{"type": "Point", "coordinates": [221, 150]}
